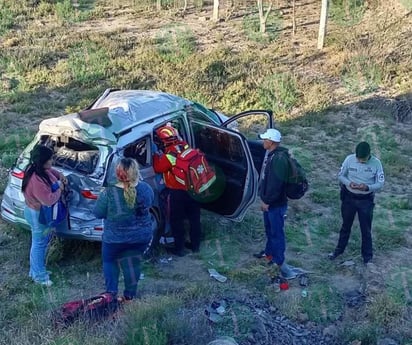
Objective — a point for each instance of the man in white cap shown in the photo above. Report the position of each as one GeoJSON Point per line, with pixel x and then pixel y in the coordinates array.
{"type": "Point", "coordinates": [274, 202]}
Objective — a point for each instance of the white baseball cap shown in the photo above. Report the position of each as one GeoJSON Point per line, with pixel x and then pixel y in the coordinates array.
{"type": "Point", "coordinates": [272, 135]}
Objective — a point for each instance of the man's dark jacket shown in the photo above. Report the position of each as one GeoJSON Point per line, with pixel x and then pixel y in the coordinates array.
{"type": "Point", "coordinates": [272, 183]}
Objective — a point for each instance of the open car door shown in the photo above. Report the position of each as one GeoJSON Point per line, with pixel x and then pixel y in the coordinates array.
{"type": "Point", "coordinates": [252, 123]}
{"type": "Point", "coordinates": [235, 188]}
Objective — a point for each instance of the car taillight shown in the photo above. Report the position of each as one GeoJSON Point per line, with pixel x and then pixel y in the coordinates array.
{"type": "Point", "coordinates": [18, 174]}
{"type": "Point", "coordinates": [88, 194]}
{"type": "Point", "coordinates": [98, 228]}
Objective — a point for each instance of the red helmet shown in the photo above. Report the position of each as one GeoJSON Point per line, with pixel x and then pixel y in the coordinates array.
{"type": "Point", "coordinates": [167, 134]}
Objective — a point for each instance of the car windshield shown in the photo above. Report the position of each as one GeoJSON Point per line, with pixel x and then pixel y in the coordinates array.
{"type": "Point", "coordinates": [198, 108]}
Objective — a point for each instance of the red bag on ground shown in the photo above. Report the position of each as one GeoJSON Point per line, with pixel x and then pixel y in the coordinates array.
{"type": "Point", "coordinates": [93, 309]}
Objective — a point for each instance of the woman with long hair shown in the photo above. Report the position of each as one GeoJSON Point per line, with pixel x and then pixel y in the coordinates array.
{"type": "Point", "coordinates": [128, 227]}
{"type": "Point", "coordinates": [41, 185]}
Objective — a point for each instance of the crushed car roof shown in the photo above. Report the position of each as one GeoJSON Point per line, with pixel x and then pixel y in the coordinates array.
{"type": "Point", "coordinates": [131, 106]}
{"type": "Point", "coordinates": [124, 109]}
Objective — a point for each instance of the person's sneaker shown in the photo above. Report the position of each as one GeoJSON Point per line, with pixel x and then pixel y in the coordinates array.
{"type": "Point", "coordinates": [46, 283]}
{"type": "Point", "coordinates": [366, 260]}
{"type": "Point", "coordinates": [288, 274]}
{"type": "Point", "coordinates": [260, 255]}
{"type": "Point", "coordinates": [332, 256]}
{"type": "Point", "coordinates": [124, 299]}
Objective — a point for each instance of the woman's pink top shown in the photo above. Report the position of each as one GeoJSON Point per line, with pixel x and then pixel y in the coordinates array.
{"type": "Point", "coordinates": [38, 192]}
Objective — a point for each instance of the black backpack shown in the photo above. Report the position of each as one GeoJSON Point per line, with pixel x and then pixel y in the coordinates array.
{"type": "Point", "coordinates": [297, 184]}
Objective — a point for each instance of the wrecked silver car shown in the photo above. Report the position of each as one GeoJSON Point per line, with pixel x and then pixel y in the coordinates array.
{"type": "Point", "coordinates": [120, 123]}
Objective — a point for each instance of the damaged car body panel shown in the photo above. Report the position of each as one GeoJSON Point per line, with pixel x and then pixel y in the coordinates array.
{"type": "Point", "coordinates": [88, 145]}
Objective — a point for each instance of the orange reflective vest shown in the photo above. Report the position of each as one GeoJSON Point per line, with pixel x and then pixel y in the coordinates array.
{"type": "Point", "coordinates": [164, 163]}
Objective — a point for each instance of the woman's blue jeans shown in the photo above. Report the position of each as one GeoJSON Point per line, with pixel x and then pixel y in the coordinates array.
{"type": "Point", "coordinates": [124, 256]}
{"type": "Point", "coordinates": [40, 238]}
{"type": "Point", "coordinates": [274, 221]}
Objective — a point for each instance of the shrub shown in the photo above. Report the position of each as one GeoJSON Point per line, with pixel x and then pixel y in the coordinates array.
{"type": "Point", "coordinates": [361, 75]}
{"type": "Point", "coordinates": [238, 96]}
{"type": "Point", "coordinates": [279, 93]}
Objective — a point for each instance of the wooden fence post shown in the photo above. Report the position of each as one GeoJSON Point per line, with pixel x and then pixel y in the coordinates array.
{"type": "Point", "coordinates": [322, 23]}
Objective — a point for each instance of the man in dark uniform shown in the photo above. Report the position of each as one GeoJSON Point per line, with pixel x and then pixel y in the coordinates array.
{"type": "Point", "coordinates": [360, 176]}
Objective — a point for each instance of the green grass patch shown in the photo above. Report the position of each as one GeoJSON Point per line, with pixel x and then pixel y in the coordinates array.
{"type": "Point", "coordinates": [245, 319]}
{"type": "Point", "coordinates": [67, 12]}
{"type": "Point", "coordinates": [385, 309]}
{"type": "Point", "coordinates": [175, 43]}
{"type": "Point", "coordinates": [6, 17]}
{"type": "Point", "coordinates": [388, 237]}
{"type": "Point", "coordinates": [88, 64]}
{"type": "Point", "coordinates": [347, 12]}
{"type": "Point", "coordinates": [362, 332]}
{"type": "Point", "coordinates": [398, 293]}
{"type": "Point", "coordinates": [322, 303]}
{"type": "Point", "coordinates": [278, 92]}
{"type": "Point", "coordinates": [407, 4]}
{"type": "Point", "coordinates": [325, 196]}
{"type": "Point", "coordinates": [151, 322]}
{"type": "Point", "coordinates": [295, 235]}
{"type": "Point", "coordinates": [361, 75]}
{"type": "Point", "coordinates": [251, 26]}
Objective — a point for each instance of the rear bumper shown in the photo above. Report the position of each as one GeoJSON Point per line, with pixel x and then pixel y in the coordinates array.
{"type": "Point", "coordinates": [8, 215]}
{"type": "Point", "coordinates": [75, 232]}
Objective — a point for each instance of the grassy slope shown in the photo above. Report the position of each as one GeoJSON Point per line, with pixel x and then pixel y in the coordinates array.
{"type": "Point", "coordinates": [58, 59]}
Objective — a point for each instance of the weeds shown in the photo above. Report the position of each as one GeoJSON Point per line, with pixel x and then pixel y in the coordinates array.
{"type": "Point", "coordinates": [67, 12]}
{"type": "Point", "coordinates": [151, 323]}
{"type": "Point", "coordinates": [279, 93]}
{"type": "Point", "coordinates": [251, 27]}
{"type": "Point", "coordinates": [175, 43]}
{"type": "Point", "coordinates": [361, 75]}
{"type": "Point", "coordinates": [87, 64]}
{"type": "Point", "coordinates": [384, 310]}
{"type": "Point", "coordinates": [362, 332]}
{"type": "Point", "coordinates": [347, 12]}
{"type": "Point", "coordinates": [6, 17]}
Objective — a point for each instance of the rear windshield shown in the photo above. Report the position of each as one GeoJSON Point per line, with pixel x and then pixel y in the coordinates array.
{"type": "Point", "coordinates": [69, 154]}
{"type": "Point", "coordinates": [75, 155]}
